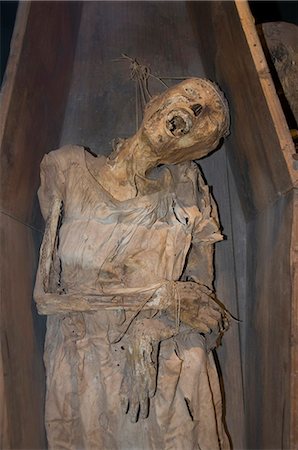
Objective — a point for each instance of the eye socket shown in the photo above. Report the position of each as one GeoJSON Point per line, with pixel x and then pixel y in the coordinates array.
{"type": "Point", "coordinates": [178, 125]}
{"type": "Point", "coordinates": [197, 109]}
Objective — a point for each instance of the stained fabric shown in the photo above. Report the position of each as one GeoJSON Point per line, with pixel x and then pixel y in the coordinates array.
{"type": "Point", "coordinates": [105, 245]}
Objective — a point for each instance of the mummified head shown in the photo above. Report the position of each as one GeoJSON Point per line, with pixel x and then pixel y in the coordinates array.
{"type": "Point", "coordinates": [186, 122]}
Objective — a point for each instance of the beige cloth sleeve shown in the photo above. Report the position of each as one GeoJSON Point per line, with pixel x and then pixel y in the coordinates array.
{"type": "Point", "coordinates": [52, 183]}
{"type": "Point", "coordinates": [206, 232]}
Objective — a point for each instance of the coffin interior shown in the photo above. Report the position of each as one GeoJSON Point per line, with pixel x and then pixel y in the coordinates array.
{"type": "Point", "coordinates": [101, 107]}
{"type": "Point", "coordinates": [63, 86]}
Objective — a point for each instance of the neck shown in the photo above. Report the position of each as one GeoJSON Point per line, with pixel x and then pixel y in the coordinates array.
{"type": "Point", "coordinates": [133, 160]}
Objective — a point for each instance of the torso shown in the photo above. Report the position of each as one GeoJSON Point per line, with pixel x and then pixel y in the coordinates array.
{"type": "Point", "coordinates": [105, 243]}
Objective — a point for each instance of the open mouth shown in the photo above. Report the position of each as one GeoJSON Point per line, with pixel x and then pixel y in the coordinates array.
{"type": "Point", "coordinates": [179, 123]}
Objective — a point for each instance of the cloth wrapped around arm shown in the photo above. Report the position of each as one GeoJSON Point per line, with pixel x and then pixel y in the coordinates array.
{"type": "Point", "coordinates": [51, 195]}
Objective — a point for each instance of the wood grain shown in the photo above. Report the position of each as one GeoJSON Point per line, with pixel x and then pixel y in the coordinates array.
{"type": "Point", "coordinates": [101, 102]}
{"type": "Point", "coordinates": [32, 107]}
{"type": "Point", "coordinates": [294, 328]}
{"type": "Point", "coordinates": [20, 333]}
{"type": "Point", "coordinates": [260, 152]}
{"type": "Point", "coordinates": [268, 362]}
{"type": "Point", "coordinates": [281, 43]}
{"type": "Point", "coordinates": [215, 170]}
{"type": "Point", "coordinates": [260, 145]}
{"type": "Point", "coordinates": [34, 97]}
{"type": "Point", "coordinates": [4, 431]}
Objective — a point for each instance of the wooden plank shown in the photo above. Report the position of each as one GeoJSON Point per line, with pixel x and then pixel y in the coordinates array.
{"type": "Point", "coordinates": [21, 338]}
{"type": "Point", "coordinates": [281, 44]}
{"type": "Point", "coordinates": [260, 150]}
{"type": "Point", "coordinates": [13, 62]}
{"type": "Point", "coordinates": [279, 123]}
{"type": "Point", "coordinates": [260, 146]}
{"type": "Point", "coordinates": [215, 169]}
{"type": "Point", "coordinates": [34, 97]}
{"type": "Point", "coordinates": [268, 319]}
{"type": "Point", "coordinates": [32, 107]}
{"type": "Point", "coordinates": [4, 430]}
{"type": "Point", "coordinates": [101, 104]}
{"type": "Point", "coordinates": [238, 226]}
{"type": "Point", "coordinates": [263, 173]}
{"type": "Point", "coordinates": [294, 329]}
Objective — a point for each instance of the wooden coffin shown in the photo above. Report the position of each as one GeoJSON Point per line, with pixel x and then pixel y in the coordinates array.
{"type": "Point", "coordinates": [62, 86]}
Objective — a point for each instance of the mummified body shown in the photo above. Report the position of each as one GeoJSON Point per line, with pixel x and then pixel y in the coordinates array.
{"type": "Point", "coordinates": [125, 276]}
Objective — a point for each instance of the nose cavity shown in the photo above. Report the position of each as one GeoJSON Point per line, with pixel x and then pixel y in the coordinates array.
{"type": "Point", "coordinates": [197, 109]}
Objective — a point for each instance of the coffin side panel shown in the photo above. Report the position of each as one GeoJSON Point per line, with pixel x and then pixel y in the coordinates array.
{"type": "Point", "coordinates": [294, 329]}
{"type": "Point", "coordinates": [23, 372]}
{"type": "Point", "coordinates": [34, 97]}
{"type": "Point", "coordinates": [257, 160]}
{"type": "Point", "coordinates": [101, 104]}
{"type": "Point", "coordinates": [216, 171]}
{"type": "Point", "coordinates": [4, 432]}
{"type": "Point", "coordinates": [259, 150]}
{"type": "Point", "coordinates": [33, 101]}
{"type": "Point", "coordinates": [268, 363]}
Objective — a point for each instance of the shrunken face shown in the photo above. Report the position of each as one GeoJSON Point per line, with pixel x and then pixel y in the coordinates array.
{"type": "Point", "coordinates": [186, 122]}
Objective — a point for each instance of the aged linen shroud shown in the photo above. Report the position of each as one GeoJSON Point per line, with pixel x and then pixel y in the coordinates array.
{"type": "Point", "coordinates": [108, 265]}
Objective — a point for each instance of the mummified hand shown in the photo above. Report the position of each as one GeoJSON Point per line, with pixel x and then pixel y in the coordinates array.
{"type": "Point", "coordinates": [198, 308]}
{"type": "Point", "coordinates": [139, 381]}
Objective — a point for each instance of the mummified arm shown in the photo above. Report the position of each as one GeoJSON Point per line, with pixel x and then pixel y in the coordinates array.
{"type": "Point", "coordinates": [46, 292]}
{"type": "Point", "coordinates": [191, 302]}
{"type": "Point", "coordinates": [47, 248]}
{"type": "Point", "coordinates": [44, 277]}
{"type": "Point", "coordinates": [198, 306]}
{"type": "Point", "coordinates": [56, 303]}
{"type": "Point", "coordinates": [187, 302]}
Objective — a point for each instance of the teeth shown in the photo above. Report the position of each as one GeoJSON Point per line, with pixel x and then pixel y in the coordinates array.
{"type": "Point", "coordinates": [177, 126]}
{"type": "Point", "coordinates": [179, 122]}
{"type": "Point", "coordinates": [197, 109]}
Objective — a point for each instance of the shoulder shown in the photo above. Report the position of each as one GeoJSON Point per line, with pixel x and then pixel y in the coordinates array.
{"type": "Point", "coordinates": [64, 156]}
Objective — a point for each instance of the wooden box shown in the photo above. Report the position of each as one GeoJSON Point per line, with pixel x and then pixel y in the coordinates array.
{"type": "Point", "coordinates": [62, 86]}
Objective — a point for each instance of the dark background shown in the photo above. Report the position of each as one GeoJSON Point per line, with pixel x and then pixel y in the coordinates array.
{"type": "Point", "coordinates": [263, 11]}
{"type": "Point", "coordinates": [8, 12]}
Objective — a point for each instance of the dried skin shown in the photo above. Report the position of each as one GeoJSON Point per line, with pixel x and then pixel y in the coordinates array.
{"type": "Point", "coordinates": [123, 238]}
{"type": "Point", "coordinates": [139, 381]}
{"type": "Point", "coordinates": [198, 308]}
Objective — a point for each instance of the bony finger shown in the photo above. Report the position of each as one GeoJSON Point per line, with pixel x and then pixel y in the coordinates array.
{"type": "Point", "coordinates": [151, 382]}
{"type": "Point", "coordinates": [124, 395]}
{"type": "Point", "coordinates": [133, 412]}
{"type": "Point", "coordinates": [227, 320]}
{"type": "Point", "coordinates": [202, 328]}
{"type": "Point", "coordinates": [144, 406]}
{"type": "Point", "coordinates": [211, 323]}
{"type": "Point", "coordinates": [208, 303]}
{"type": "Point", "coordinates": [225, 323]}
{"type": "Point", "coordinates": [222, 327]}
{"type": "Point", "coordinates": [124, 403]}
{"type": "Point", "coordinates": [214, 314]}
